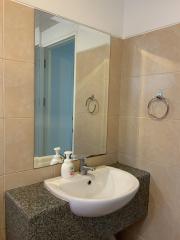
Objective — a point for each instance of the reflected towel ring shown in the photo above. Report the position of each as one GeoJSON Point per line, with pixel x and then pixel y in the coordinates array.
{"type": "Point", "coordinates": [92, 105]}
{"type": "Point", "coordinates": [158, 97]}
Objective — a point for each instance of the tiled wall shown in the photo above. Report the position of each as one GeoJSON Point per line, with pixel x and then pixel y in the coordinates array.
{"type": "Point", "coordinates": [149, 62]}
{"type": "Point", "coordinates": [152, 62]}
{"type": "Point", "coordinates": [17, 100]}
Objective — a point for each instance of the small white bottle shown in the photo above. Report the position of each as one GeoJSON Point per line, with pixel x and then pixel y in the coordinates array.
{"type": "Point", "coordinates": [67, 168]}
{"type": "Point", "coordinates": [57, 157]}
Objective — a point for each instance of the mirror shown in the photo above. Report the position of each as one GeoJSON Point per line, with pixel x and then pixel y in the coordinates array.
{"type": "Point", "coordinates": [71, 88]}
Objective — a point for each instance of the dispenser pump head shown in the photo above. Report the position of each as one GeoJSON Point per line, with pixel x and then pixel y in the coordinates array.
{"type": "Point", "coordinates": [57, 151]}
{"type": "Point", "coordinates": [57, 158]}
{"type": "Point", "coordinates": [68, 154]}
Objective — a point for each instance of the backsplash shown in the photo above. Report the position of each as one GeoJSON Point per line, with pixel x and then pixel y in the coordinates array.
{"type": "Point", "coordinates": [17, 102]}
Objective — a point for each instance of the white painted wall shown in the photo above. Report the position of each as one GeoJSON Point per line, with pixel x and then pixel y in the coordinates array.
{"type": "Point", "coordinates": [146, 15]}
{"type": "Point", "coordinates": [105, 15]}
{"type": "Point", "coordinates": [121, 18]}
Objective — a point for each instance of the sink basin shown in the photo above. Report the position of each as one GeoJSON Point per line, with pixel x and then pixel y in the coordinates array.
{"type": "Point", "coordinates": [104, 191]}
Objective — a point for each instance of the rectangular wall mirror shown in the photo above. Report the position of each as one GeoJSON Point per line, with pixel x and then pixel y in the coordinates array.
{"type": "Point", "coordinates": [71, 88]}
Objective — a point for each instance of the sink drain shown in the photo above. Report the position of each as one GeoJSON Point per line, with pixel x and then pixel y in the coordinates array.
{"type": "Point", "coordinates": [89, 182]}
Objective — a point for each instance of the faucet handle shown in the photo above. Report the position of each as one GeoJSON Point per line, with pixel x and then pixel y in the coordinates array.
{"type": "Point", "coordinates": [83, 166]}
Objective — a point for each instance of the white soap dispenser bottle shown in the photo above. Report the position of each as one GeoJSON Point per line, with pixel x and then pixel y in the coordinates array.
{"type": "Point", "coordinates": [57, 157]}
{"type": "Point", "coordinates": [67, 168]}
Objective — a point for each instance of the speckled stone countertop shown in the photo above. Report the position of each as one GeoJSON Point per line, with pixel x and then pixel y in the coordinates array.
{"type": "Point", "coordinates": [33, 213]}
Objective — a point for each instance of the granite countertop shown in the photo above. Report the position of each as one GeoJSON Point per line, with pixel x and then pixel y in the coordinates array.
{"type": "Point", "coordinates": [35, 199]}
{"type": "Point", "coordinates": [39, 212]}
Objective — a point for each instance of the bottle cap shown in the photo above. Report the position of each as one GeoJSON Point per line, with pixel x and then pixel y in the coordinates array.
{"type": "Point", "coordinates": [68, 154]}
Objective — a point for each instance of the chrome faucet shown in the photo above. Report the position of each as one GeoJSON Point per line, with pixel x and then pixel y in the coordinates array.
{"type": "Point", "coordinates": [84, 168]}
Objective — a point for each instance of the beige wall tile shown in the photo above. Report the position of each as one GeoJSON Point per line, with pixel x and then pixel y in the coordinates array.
{"type": "Point", "coordinates": [114, 96]}
{"type": "Point", "coordinates": [93, 78]}
{"type": "Point", "coordinates": [159, 141]}
{"type": "Point", "coordinates": [90, 139]}
{"type": "Point", "coordinates": [126, 158]}
{"type": "Point", "coordinates": [129, 135]}
{"type": "Point", "coordinates": [18, 32]}
{"type": "Point", "coordinates": [94, 57]}
{"type": "Point", "coordinates": [115, 75]}
{"type": "Point", "coordinates": [19, 89]}
{"type": "Point", "coordinates": [2, 234]}
{"type": "Point", "coordinates": [1, 202]}
{"type": "Point", "coordinates": [95, 83]}
{"type": "Point", "coordinates": [161, 223]}
{"type": "Point", "coordinates": [116, 54]}
{"type": "Point", "coordinates": [165, 184]}
{"type": "Point", "coordinates": [1, 146]}
{"type": "Point", "coordinates": [1, 90]}
{"type": "Point", "coordinates": [57, 170]}
{"type": "Point", "coordinates": [19, 145]}
{"type": "Point", "coordinates": [27, 177]}
{"type": "Point", "coordinates": [151, 62]}
{"type": "Point", "coordinates": [130, 96]}
{"type": "Point", "coordinates": [1, 28]}
{"type": "Point", "coordinates": [131, 62]}
{"type": "Point", "coordinates": [112, 134]}
{"type": "Point", "coordinates": [155, 52]}
{"type": "Point", "coordinates": [107, 159]}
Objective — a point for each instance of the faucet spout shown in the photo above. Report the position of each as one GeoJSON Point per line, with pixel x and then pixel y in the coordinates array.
{"type": "Point", "coordinates": [84, 169]}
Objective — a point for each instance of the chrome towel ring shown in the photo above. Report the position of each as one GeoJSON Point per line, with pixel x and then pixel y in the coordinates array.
{"type": "Point", "coordinates": [158, 97]}
{"type": "Point", "coordinates": [92, 105]}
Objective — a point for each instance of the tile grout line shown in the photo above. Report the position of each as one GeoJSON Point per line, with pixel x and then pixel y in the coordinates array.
{"type": "Point", "coordinates": [124, 75]}
{"type": "Point", "coordinates": [3, 9]}
{"type": "Point", "coordinates": [17, 60]}
{"type": "Point", "coordinates": [10, 118]}
{"type": "Point", "coordinates": [4, 131]}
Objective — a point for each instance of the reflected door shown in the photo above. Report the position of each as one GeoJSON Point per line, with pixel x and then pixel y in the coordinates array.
{"type": "Point", "coordinates": [57, 98]}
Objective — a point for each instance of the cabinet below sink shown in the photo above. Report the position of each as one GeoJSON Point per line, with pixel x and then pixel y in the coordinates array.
{"type": "Point", "coordinates": [33, 213]}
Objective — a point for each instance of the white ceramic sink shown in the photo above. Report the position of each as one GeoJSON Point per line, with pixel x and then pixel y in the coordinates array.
{"type": "Point", "coordinates": [104, 191]}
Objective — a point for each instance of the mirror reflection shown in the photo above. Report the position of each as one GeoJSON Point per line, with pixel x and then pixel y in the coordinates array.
{"type": "Point", "coordinates": [71, 87]}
